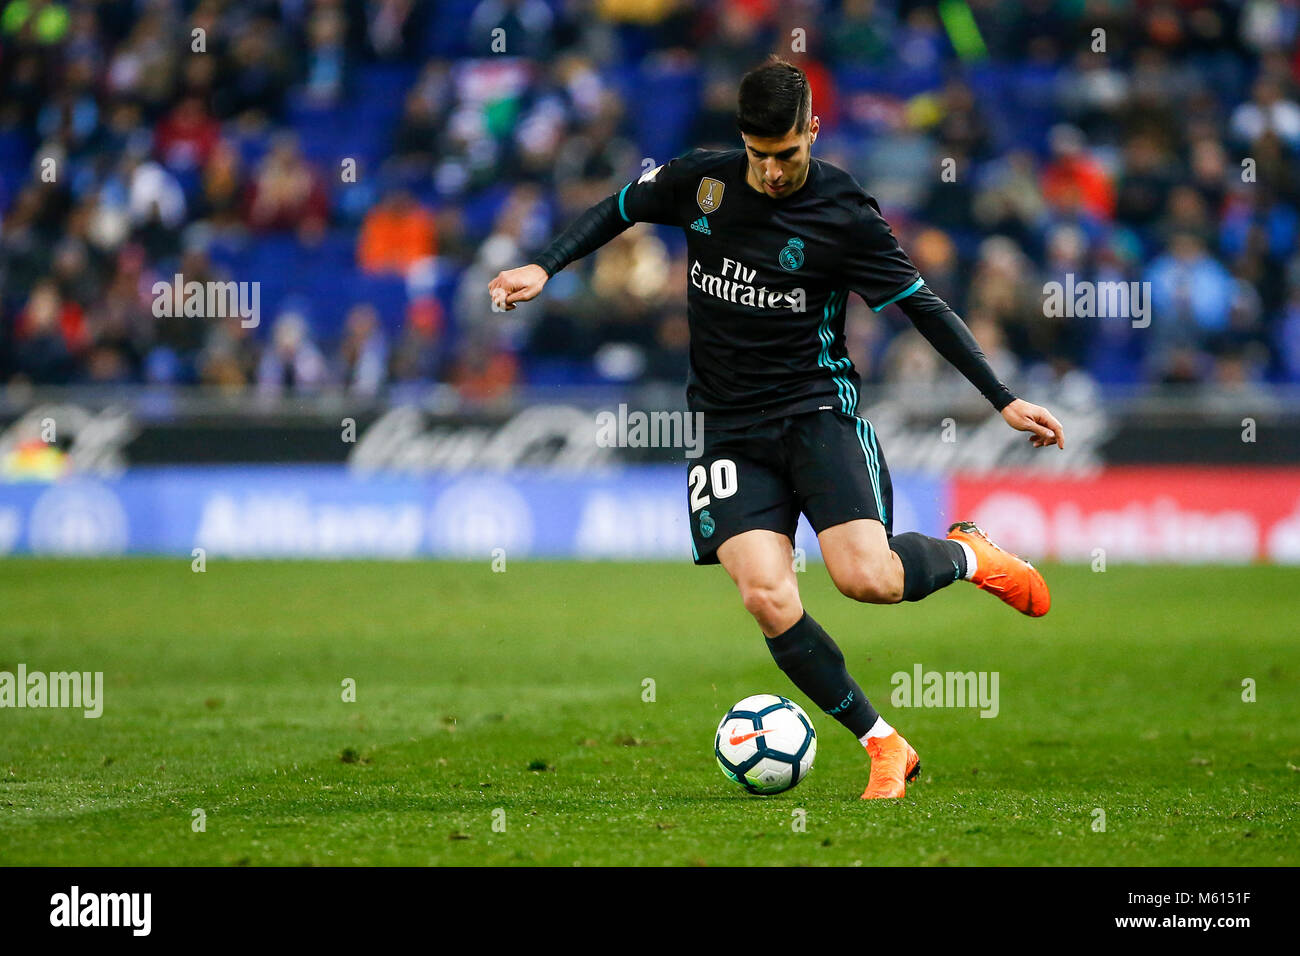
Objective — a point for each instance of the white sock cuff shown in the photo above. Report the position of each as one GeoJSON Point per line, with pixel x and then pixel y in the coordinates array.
{"type": "Point", "coordinates": [878, 729]}
{"type": "Point", "coordinates": [970, 559]}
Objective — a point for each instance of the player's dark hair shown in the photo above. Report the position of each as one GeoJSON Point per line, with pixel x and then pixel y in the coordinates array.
{"type": "Point", "coordinates": [774, 97]}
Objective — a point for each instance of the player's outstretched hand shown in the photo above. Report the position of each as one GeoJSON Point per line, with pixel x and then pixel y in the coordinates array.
{"type": "Point", "coordinates": [1042, 425]}
{"type": "Point", "coordinates": [516, 285]}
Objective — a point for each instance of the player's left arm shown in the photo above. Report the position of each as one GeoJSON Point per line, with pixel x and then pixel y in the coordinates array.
{"type": "Point", "coordinates": [882, 274]}
{"type": "Point", "coordinates": [952, 339]}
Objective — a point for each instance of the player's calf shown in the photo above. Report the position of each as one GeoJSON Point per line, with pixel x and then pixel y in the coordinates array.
{"type": "Point", "coordinates": [815, 664]}
{"type": "Point", "coordinates": [929, 564]}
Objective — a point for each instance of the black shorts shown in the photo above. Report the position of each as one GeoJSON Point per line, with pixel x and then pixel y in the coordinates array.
{"type": "Point", "coordinates": [824, 464]}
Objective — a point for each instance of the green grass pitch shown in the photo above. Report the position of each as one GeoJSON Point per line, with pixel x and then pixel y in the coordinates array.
{"type": "Point", "coordinates": [516, 698]}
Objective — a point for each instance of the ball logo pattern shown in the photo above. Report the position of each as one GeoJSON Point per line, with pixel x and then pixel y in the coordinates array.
{"type": "Point", "coordinates": [766, 744]}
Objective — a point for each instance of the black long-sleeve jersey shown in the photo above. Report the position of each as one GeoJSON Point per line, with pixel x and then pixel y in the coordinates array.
{"type": "Point", "coordinates": [769, 281]}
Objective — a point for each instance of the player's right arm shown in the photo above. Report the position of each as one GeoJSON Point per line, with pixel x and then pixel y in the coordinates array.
{"type": "Point", "coordinates": [649, 199]}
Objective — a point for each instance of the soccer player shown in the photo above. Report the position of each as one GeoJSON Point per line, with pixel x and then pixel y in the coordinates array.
{"type": "Point", "coordinates": [776, 241]}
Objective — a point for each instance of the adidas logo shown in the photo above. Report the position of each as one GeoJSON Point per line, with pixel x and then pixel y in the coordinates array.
{"type": "Point", "coordinates": [702, 225]}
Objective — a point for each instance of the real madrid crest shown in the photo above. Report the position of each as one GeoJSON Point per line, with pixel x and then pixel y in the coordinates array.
{"type": "Point", "coordinates": [791, 256]}
{"type": "Point", "coordinates": [709, 195]}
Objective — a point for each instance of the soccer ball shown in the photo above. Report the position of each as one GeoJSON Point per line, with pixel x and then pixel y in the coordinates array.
{"type": "Point", "coordinates": [766, 744]}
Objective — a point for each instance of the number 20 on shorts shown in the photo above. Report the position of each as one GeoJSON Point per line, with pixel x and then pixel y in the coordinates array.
{"type": "Point", "coordinates": [720, 480]}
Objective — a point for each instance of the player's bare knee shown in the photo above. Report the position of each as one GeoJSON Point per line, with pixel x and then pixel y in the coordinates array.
{"type": "Point", "coordinates": [770, 604]}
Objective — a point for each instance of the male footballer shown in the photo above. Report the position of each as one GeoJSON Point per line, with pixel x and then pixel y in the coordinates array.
{"type": "Point", "coordinates": [776, 241]}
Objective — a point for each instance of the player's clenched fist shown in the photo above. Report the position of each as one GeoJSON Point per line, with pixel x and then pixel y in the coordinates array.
{"type": "Point", "coordinates": [516, 285]}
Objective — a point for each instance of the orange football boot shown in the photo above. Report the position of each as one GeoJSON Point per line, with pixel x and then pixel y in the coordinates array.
{"type": "Point", "coordinates": [894, 764]}
{"type": "Point", "coordinates": [1013, 579]}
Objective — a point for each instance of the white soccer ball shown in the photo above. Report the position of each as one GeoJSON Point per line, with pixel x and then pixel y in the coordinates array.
{"type": "Point", "coordinates": [766, 744]}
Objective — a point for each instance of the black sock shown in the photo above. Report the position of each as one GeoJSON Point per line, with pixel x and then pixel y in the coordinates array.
{"type": "Point", "coordinates": [928, 563]}
{"type": "Point", "coordinates": [814, 663]}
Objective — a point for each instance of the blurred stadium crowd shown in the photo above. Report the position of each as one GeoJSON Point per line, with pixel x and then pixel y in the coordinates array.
{"type": "Point", "coordinates": [212, 138]}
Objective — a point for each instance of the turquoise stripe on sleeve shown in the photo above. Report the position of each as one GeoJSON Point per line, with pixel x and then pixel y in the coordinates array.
{"type": "Point", "coordinates": [623, 212]}
{"type": "Point", "coordinates": [902, 295]}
